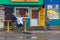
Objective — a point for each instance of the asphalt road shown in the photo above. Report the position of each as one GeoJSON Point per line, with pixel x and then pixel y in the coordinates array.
{"type": "Point", "coordinates": [42, 35]}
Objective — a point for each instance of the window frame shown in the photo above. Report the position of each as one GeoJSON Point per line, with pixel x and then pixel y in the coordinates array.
{"type": "Point", "coordinates": [22, 7]}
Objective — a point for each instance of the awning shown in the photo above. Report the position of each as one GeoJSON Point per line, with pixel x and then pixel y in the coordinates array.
{"type": "Point", "coordinates": [9, 2]}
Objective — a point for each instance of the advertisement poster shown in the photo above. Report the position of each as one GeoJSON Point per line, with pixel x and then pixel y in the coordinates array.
{"type": "Point", "coordinates": [52, 11]}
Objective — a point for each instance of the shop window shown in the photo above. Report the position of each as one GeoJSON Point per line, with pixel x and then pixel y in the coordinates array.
{"type": "Point", "coordinates": [22, 11]}
{"type": "Point", "coordinates": [34, 13]}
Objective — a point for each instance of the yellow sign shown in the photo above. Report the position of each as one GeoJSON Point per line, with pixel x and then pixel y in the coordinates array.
{"type": "Point", "coordinates": [24, 0]}
{"type": "Point", "coordinates": [42, 17]}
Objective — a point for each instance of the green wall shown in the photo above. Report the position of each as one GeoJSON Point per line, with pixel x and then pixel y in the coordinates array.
{"type": "Point", "coordinates": [8, 2]}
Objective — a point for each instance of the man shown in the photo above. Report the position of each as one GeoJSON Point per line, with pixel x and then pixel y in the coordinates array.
{"type": "Point", "coordinates": [19, 21]}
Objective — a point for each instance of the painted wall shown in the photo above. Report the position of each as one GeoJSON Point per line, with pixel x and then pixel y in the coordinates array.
{"type": "Point", "coordinates": [52, 2]}
{"type": "Point", "coordinates": [28, 22]}
{"type": "Point", "coordinates": [53, 22]}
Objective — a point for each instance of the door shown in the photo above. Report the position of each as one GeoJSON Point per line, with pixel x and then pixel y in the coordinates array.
{"type": "Point", "coordinates": [34, 17]}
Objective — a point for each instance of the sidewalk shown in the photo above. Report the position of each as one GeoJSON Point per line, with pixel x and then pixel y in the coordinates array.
{"type": "Point", "coordinates": [36, 35]}
{"type": "Point", "coordinates": [51, 31]}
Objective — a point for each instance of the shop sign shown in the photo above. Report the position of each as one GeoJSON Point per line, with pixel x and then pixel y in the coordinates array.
{"type": "Point", "coordinates": [24, 0]}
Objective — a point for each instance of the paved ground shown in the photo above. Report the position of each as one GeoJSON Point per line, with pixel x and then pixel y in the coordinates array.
{"type": "Point", "coordinates": [36, 35]}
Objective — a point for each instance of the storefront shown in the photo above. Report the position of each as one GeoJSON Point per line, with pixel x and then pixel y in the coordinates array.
{"type": "Point", "coordinates": [31, 10]}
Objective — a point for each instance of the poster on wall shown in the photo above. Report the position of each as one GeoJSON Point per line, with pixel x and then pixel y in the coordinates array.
{"type": "Point", "coordinates": [52, 11]}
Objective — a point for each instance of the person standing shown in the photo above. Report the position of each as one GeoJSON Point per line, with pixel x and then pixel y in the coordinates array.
{"type": "Point", "coordinates": [19, 21]}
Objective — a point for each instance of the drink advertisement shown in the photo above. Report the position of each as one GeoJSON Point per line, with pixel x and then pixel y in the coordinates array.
{"type": "Point", "coordinates": [52, 11]}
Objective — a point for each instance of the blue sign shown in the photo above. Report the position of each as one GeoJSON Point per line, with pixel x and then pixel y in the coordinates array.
{"type": "Point", "coordinates": [52, 2]}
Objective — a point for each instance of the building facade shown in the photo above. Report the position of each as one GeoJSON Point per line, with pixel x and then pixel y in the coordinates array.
{"type": "Point", "coordinates": [31, 10]}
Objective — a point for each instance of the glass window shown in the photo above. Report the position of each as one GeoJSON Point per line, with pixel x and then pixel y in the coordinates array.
{"type": "Point", "coordinates": [22, 11]}
{"type": "Point", "coordinates": [34, 13]}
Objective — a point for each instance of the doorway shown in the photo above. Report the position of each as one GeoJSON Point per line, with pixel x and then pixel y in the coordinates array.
{"type": "Point", "coordinates": [34, 17]}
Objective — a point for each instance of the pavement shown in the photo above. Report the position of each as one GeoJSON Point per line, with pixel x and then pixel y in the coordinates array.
{"type": "Point", "coordinates": [36, 35]}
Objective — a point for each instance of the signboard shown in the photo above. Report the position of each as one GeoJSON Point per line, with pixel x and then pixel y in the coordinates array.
{"type": "Point", "coordinates": [42, 17]}
{"type": "Point", "coordinates": [24, 0]}
{"type": "Point", "coordinates": [52, 11]}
